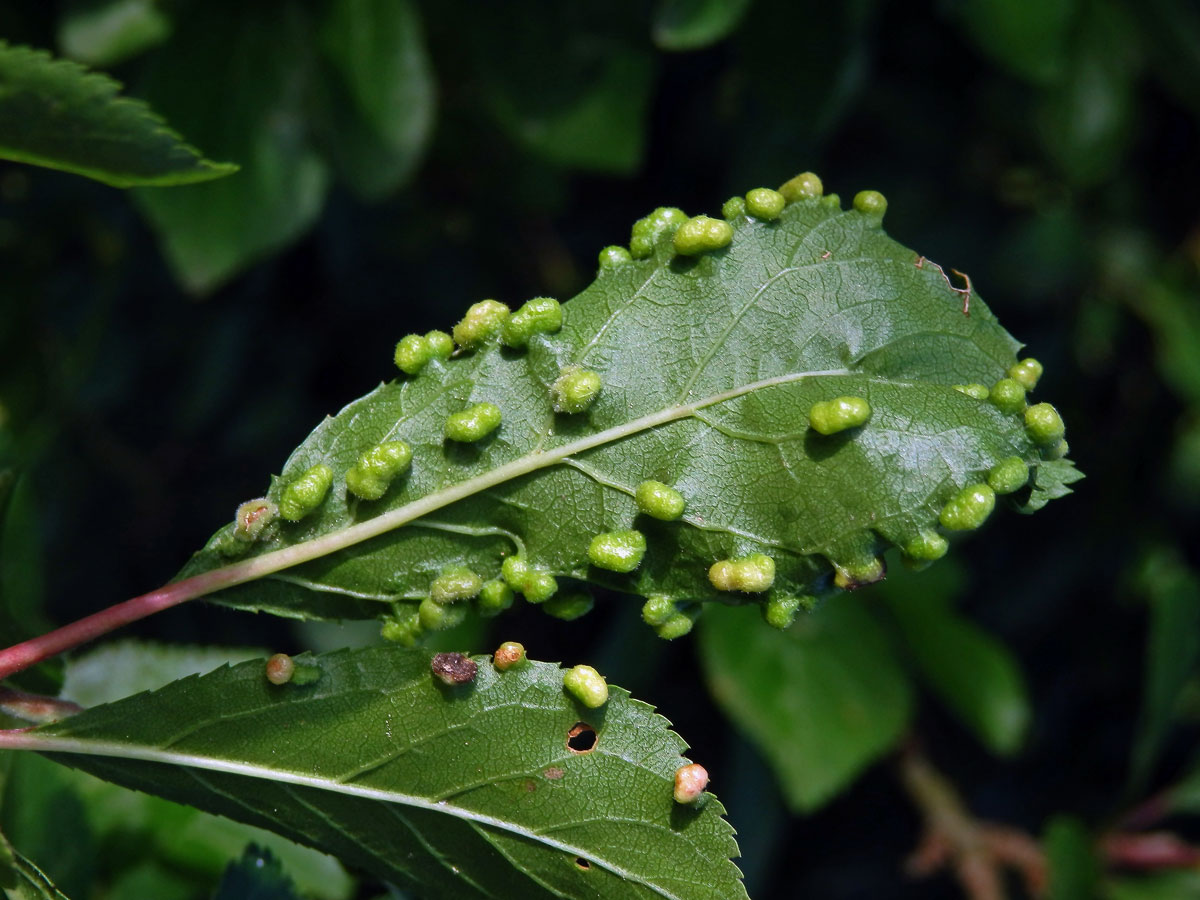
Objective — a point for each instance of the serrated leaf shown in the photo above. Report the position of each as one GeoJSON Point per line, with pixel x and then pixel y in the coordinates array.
{"type": "Point", "coordinates": [55, 113]}
{"type": "Point", "coordinates": [1050, 482]}
{"type": "Point", "coordinates": [821, 700]}
{"type": "Point", "coordinates": [709, 367]}
{"type": "Point", "coordinates": [460, 792]}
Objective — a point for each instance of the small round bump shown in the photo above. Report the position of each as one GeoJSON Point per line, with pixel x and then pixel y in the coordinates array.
{"type": "Point", "coordinates": [927, 547]}
{"type": "Point", "coordinates": [412, 353]}
{"type": "Point", "coordinates": [587, 686]}
{"type": "Point", "coordinates": [1008, 396]}
{"type": "Point", "coordinates": [455, 583]}
{"type": "Point", "coordinates": [751, 574]}
{"type": "Point", "coordinates": [781, 611]}
{"type": "Point", "coordinates": [441, 345]}
{"type": "Point", "coordinates": [805, 186]}
{"type": "Point", "coordinates": [474, 423]}
{"type": "Point", "coordinates": [678, 624]}
{"type": "Point", "coordinates": [658, 609]}
{"type": "Point", "coordinates": [851, 578]}
{"type": "Point", "coordinates": [252, 517]}
{"type": "Point", "coordinates": [453, 668]}
{"type": "Point", "coordinates": [494, 597]}
{"type": "Point", "coordinates": [659, 501]}
{"type": "Point", "coordinates": [574, 390]}
{"type": "Point", "coordinates": [508, 655]}
{"type": "Point", "coordinates": [436, 616]}
{"type": "Point", "coordinates": [648, 229]}
{"type": "Point", "coordinates": [832, 201]}
{"type": "Point", "coordinates": [690, 782]}
{"type": "Point", "coordinates": [536, 584]}
{"type": "Point", "coordinates": [1008, 475]}
{"type": "Point", "coordinates": [617, 551]}
{"type": "Point", "coordinates": [302, 496]}
{"type": "Point", "coordinates": [702, 234]}
{"type": "Point", "coordinates": [1044, 425]}
{"type": "Point", "coordinates": [542, 315]}
{"type": "Point", "coordinates": [871, 203]}
{"type": "Point", "coordinates": [482, 321]}
{"type": "Point", "coordinates": [613, 257]}
{"type": "Point", "coordinates": [569, 607]}
{"type": "Point", "coordinates": [831, 416]}
{"type": "Point", "coordinates": [280, 669]}
{"type": "Point", "coordinates": [376, 469]}
{"type": "Point", "coordinates": [403, 628]}
{"type": "Point", "coordinates": [969, 508]}
{"type": "Point", "coordinates": [1027, 373]}
{"type": "Point", "coordinates": [733, 208]}
{"type": "Point", "coordinates": [1055, 451]}
{"type": "Point", "coordinates": [764, 203]}
{"type": "Point", "coordinates": [977, 391]}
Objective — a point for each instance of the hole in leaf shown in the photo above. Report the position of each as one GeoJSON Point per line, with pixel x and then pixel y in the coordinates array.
{"type": "Point", "coordinates": [581, 738]}
{"type": "Point", "coordinates": [582, 863]}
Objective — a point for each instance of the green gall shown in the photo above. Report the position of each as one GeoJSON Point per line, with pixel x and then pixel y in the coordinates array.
{"type": "Point", "coordinates": [375, 470]}
{"type": "Point", "coordinates": [702, 234]}
{"type": "Point", "coordinates": [978, 391]}
{"type": "Point", "coordinates": [871, 203]}
{"type": "Point", "coordinates": [690, 782]}
{"type": "Point", "coordinates": [441, 345]}
{"type": "Point", "coordinates": [508, 655]}
{"type": "Point", "coordinates": [453, 584]}
{"type": "Point", "coordinates": [1057, 451]}
{"type": "Point", "coordinates": [851, 578]}
{"type": "Point", "coordinates": [1007, 395]}
{"type": "Point", "coordinates": [659, 501]}
{"type": "Point", "coordinates": [781, 611]}
{"type": "Point", "coordinates": [280, 669]}
{"type": "Point", "coordinates": [436, 616]}
{"type": "Point", "coordinates": [678, 624]}
{"type": "Point", "coordinates": [302, 496]}
{"type": "Point", "coordinates": [482, 321]}
{"type": "Point", "coordinates": [412, 353]}
{"type": "Point", "coordinates": [305, 674]}
{"type": "Point", "coordinates": [569, 607]}
{"type": "Point", "coordinates": [764, 203]}
{"type": "Point", "coordinates": [613, 257]}
{"type": "Point", "coordinates": [805, 186]}
{"type": "Point", "coordinates": [402, 628]}
{"type": "Point", "coordinates": [926, 547]}
{"type": "Point", "coordinates": [969, 508]}
{"type": "Point", "coordinates": [1044, 425]}
{"type": "Point", "coordinates": [474, 423]}
{"type": "Point", "coordinates": [1008, 475]}
{"type": "Point", "coordinates": [252, 517]}
{"type": "Point", "coordinates": [1027, 373]}
{"type": "Point", "coordinates": [536, 584]}
{"type": "Point", "coordinates": [542, 315]}
{"type": "Point", "coordinates": [453, 669]}
{"type": "Point", "coordinates": [494, 598]}
{"type": "Point", "coordinates": [648, 229]}
{"type": "Point", "coordinates": [832, 201]}
{"type": "Point", "coordinates": [658, 609]}
{"type": "Point", "coordinates": [831, 416]}
{"type": "Point", "coordinates": [751, 574]}
{"type": "Point", "coordinates": [733, 208]}
{"type": "Point", "coordinates": [574, 390]}
{"type": "Point", "coordinates": [587, 686]}
{"type": "Point", "coordinates": [617, 551]}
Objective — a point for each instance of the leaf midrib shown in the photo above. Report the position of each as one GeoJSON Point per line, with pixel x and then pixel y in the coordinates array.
{"type": "Point", "coordinates": [53, 744]}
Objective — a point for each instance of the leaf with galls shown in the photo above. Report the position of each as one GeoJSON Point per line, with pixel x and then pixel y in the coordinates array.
{"type": "Point", "coordinates": [747, 410]}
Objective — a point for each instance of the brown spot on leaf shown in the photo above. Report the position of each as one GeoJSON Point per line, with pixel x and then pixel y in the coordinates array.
{"type": "Point", "coordinates": [280, 669]}
{"type": "Point", "coordinates": [554, 773]}
{"type": "Point", "coordinates": [581, 738]}
{"type": "Point", "coordinates": [453, 668]}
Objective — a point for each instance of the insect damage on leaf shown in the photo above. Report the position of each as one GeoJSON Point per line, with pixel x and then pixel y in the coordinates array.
{"type": "Point", "coordinates": [773, 416]}
{"type": "Point", "coordinates": [453, 668]}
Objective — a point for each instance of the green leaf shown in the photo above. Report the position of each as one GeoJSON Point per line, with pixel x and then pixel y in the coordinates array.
{"type": "Point", "coordinates": [250, 107]}
{"type": "Point", "coordinates": [821, 700]}
{"type": "Point", "coordinates": [107, 32]}
{"type": "Point", "coordinates": [29, 883]}
{"type": "Point", "coordinates": [1074, 870]}
{"type": "Point", "coordinates": [709, 367]}
{"type": "Point", "coordinates": [972, 672]}
{"type": "Point", "coordinates": [379, 98]}
{"type": "Point", "coordinates": [692, 24]}
{"type": "Point", "coordinates": [456, 791]}
{"type": "Point", "coordinates": [1050, 482]}
{"type": "Point", "coordinates": [1171, 885]}
{"type": "Point", "coordinates": [56, 114]}
{"type": "Point", "coordinates": [1172, 653]}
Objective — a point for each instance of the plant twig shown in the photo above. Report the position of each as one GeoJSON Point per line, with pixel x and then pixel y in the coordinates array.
{"type": "Point", "coordinates": [978, 852]}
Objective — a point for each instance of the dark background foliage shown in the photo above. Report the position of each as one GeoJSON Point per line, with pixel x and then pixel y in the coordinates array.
{"type": "Point", "coordinates": [1047, 147]}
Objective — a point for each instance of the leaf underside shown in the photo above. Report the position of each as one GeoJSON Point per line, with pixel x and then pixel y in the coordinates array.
{"type": "Point", "coordinates": [470, 791]}
{"type": "Point", "coordinates": [709, 366]}
{"type": "Point", "coordinates": [55, 113]}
